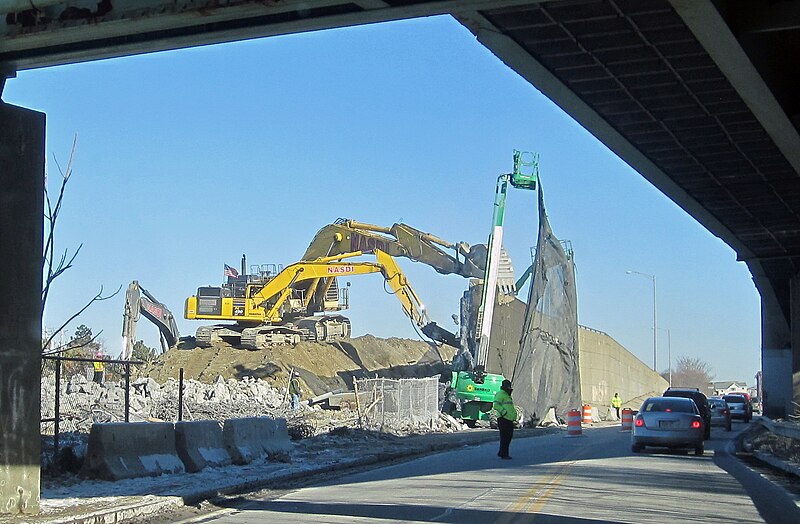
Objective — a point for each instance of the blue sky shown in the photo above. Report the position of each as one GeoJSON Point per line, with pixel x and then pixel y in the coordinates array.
{"type": "Point", "coordinates": [188, 159]}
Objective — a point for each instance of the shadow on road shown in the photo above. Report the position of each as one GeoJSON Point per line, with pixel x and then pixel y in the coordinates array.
{"type": "Point", "coordinates": [394, 512]}
{"type": "Point", "coordinates": [771, 500]}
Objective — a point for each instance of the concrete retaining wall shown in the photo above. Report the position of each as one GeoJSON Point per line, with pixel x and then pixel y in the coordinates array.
{"type": "Point", "coordinates": [200, 444]}
{"type": "Point", "coordinates": [121, 450]}
{"type": "Point", "coordinates": [507, 322]}
{"type": "Point", "coordinates": [608, 368]}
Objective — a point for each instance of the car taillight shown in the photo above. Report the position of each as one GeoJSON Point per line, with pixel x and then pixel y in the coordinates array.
{"type": "Point", "coordinates": [695, 424]}
{"type": "Point", "coordinates": [639, 422]}
{"type": "Point", "coordinates": [724, 411]}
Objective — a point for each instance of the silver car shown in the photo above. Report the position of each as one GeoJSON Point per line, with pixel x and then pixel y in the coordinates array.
{"type": "Point", "coordinates": [668, 422]}
{"type": "Point", "coordinates": [720, 412]}
{"type": "Point", "coordinates": [739, 407]}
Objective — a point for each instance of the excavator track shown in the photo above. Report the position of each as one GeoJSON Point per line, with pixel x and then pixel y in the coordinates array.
{"type": "Point", "coordinates": [207, 336]}
{"type": "Point", "coordinates": [328, 328]}
{"type": "Point", "coordinates": [265, 337]}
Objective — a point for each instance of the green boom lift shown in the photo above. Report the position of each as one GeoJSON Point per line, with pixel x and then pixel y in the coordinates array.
{"type": "Point", "coordinates": [475, 389]}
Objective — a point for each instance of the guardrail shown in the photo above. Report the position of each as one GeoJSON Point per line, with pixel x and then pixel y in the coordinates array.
{"type": "Point", "coordinates": [783, 429]}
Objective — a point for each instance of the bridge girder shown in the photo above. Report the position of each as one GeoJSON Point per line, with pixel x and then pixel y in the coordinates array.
{"type": "Point", "coordinates": [701, 97]}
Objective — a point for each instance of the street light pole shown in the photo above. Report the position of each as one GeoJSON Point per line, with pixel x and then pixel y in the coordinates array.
{"type": "Point", "coordinates": [655, 316]}
{"type": "Point", "coordinates": [669, 356]}
{"type": "Point", "coordinates": [655, 328]}
{"type": "Point", "coordinates": [669, 353]}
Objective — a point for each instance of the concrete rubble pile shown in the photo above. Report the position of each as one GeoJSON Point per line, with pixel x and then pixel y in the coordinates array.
{"type": "Point", "coordinates": [218, 396]}
{"type": "Point", "coordinates": [83, 403]}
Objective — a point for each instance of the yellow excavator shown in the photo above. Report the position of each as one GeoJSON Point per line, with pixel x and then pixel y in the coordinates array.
{"type": "Point", "coordinates": [277, 305]}
{"type": "Point", "coordinates": [401, 240]}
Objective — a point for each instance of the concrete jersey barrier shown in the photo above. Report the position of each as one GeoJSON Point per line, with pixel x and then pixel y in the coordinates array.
{"type": "Point", "coordinates": [199, 445]}
{"type": "Point", "coordinates": [248, 439]}
{"type": "Point", "coordinates": [129, 450]}
{"type": "Point", "coordinates": [277, 440]}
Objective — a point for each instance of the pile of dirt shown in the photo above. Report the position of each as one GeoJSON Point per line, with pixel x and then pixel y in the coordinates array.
{"type": "Point", "coordinates": [323, 367]}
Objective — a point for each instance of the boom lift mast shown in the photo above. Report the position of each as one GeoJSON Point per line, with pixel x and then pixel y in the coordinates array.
{"type": "Point", "coordinates": [519, 180]}
{"type": "Point", "coordinates": [474, 389]}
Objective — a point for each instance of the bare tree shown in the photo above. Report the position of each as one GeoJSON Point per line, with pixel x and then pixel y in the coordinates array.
{"type": "Point", "coordinates": [51, 268]}
{"type": "Point", "coordinates": [692, 372]}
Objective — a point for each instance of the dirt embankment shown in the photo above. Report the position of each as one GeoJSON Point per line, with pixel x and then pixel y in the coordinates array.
{"type": "Point", "coordinates": [323, 367]}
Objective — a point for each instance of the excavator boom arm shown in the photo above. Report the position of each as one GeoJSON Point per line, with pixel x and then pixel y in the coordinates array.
{"type": "Point", "coordinates": [139, 301]}
{"type": "Point", "coordinates": [331, 267]}
{"type": "Point", "coordinates": [412, 305]}
{"type": "Point", "coordinates": [281, 285]}
{"type": "Point", "coordinates": [400, 240]}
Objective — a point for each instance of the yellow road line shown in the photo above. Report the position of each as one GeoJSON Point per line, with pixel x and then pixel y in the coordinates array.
{"type": "Point", "coordinates": [533, 500]}
{"type": "Point", "coordinates": [539, 503]}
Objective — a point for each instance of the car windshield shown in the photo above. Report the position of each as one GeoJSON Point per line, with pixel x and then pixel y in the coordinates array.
{"type": "Point", "coordinates": [716, 403]}
{"type": "Point", "coordinates": [734, 398]}
{"type": "Point", "coordinates": [668, 404]}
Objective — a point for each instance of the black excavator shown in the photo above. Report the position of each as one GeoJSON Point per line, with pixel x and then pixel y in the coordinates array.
{"type": "Point", "coordinates": [138, 301]}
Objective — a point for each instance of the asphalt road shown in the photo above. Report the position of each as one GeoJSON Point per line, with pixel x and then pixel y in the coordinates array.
{"type": "Point", "coordinates": [553, 478]}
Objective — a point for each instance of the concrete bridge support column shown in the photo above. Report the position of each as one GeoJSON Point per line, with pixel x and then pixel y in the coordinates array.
{"type": "Point", "coordinates": [21, 231]}
{"type": "Point", "coordinates": [794, 323]}
{"type": "Point", "coordinates": [780, 345]}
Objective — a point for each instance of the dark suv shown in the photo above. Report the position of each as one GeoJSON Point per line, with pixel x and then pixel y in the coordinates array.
{"type": "Point", "coordinates": [699, 399]}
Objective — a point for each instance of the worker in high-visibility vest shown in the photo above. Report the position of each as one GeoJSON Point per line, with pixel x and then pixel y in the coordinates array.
{"type": "Point", "coordinates": [506, 417]}
{"type": "Point", "coordinates": [99, 367]}
{"type": "Point", "coordinates": [616, 403]}
{"type": "Point", "coordinates": [294, 390]}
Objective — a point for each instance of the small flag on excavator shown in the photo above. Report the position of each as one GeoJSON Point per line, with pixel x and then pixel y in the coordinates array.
{"type": "Point", "coordinates": [230, 272]}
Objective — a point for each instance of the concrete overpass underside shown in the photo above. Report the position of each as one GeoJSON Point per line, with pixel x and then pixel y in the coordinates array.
{"type": "Point", "coordinates": [701, 97]}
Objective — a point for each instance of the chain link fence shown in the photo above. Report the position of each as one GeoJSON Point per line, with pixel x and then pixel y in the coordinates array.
{"type": "Point", "coordinates": [397, 405]}
{"type": "Point", "coordinates": [71, 401]}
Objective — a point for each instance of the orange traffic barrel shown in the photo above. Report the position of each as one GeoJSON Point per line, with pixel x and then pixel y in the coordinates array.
{"type": "Point", "coordinates": [574, 423]}
{"type": "Point", "coordinates": [587, 414]}
{"type": "Point", "coordinates": [627, 419]}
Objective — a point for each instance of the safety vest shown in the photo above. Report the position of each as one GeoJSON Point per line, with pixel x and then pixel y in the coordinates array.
{"type": "Point", "coordinates": [616, 402]}
{"type": "Point", "coordinates": [98, 365]}
{"type": "Point", "coordinates": [504, 406]}
{"type": "Point", "coordinates": [294, 387]}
